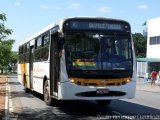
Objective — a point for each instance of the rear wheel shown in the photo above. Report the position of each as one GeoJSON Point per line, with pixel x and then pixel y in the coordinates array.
{"type": "Point", "coordinates": [25, 85]}
{"type": "Point", "coordinates": [103, 103]}
{"type": "Point", "coordinates": [26, 89]}
{"type": "Point", "coordinates": [48, 100]}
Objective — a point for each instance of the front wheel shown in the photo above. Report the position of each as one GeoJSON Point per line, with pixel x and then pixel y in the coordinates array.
{"type": "Point", "coordinates": [48, 100]}
{"type": "Point", "coordinates": [103, 103]}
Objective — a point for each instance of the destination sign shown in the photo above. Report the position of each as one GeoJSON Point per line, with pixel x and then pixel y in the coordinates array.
{"type": "Point", "coordinates": [96, 25]}
{"type": "Point", "coordinates": [105, 26]}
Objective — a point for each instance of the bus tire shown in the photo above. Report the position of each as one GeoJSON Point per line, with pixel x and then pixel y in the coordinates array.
{"type": "Point", "coordinates": [103, 103]}
{"type": "Point", "coordinates": [26, 89]}
{"type": "Point", "coordinates": [48, 100]}
{"type": "Point", "coordinates": [25, 85]}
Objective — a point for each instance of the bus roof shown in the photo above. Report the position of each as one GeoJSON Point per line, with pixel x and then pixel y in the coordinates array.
{"type": "Point", "coordinates": [60, 23]}
{"type": "Point", "coordinates": [38, 33]}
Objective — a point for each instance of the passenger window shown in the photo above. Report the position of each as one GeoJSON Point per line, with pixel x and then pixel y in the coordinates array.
{"type": "Point", "coordinates": [22, 51]}
{"type": "Point", "coordinates": [38, 42]}
{"type": "Point", "coordinates": [46, 40]}
{"type": "Point", "coordinates": [19, 50]}
{"type": "Point", "coordinates": [25, 48]}
{"type": "Point", "coordinates": [28, 47]}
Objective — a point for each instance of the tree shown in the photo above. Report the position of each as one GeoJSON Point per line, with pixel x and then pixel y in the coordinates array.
{"type": "Point", "coordinates": [140, 43]}
{"type": "Point", "coordinates": [5, 44]}
{"type": "Point", "coordinates": [13, 60]}
{"type": "Point", "coordinates": [4, 32]}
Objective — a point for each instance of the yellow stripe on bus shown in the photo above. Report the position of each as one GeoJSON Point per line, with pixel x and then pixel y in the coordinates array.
{"type": "Point", "coordinates": [100, 82]}
{"type": "Point", "coordinates": [24, 71]}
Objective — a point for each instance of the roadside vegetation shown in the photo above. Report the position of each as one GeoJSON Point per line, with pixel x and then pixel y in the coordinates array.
{"type": "Point", "coordinates": [140, 44]}
{"type": "Point", "coordinates": [8, 58]}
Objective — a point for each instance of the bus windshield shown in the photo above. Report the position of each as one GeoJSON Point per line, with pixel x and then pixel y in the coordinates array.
{"type": "Point", "coordinates": [91, 55]}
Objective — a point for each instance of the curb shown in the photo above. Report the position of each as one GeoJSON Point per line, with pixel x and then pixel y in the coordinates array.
{"type": "Point", "coordinates": [7, 101]}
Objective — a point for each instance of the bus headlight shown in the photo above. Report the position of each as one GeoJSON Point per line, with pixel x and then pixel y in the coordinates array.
{"type": "Point", "coordinates": [128, 80]}
{"type": "Point", "coordinates": [72, 80]}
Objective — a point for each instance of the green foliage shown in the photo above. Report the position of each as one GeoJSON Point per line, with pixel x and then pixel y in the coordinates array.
{"type": "Point", "coordinates": [4, 32]}
{"type": "Point", "coordinates": [5, 44]}
{"type": "Point", "coordinates": [14, 56]}
{"type": "Point", "coordinates": [140, 44]}
{"type": "Point", "coordinates": [3, 17]}
{"type": "Point", "coordinates": [5, 52]}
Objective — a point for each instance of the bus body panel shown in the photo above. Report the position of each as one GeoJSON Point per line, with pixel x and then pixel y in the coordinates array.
{"type": "Point", "coordinates": [20, 76]}
{"type": "Point", "coordinates": [68, 90]}
{"type": "Point", "coordinates": [40, 70]}
{"type": "Point", "coordinates": [23, 70]}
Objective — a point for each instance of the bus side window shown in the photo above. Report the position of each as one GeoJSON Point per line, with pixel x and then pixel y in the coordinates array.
{"type": "Point", "coordinates": [39, 42]}
{"type": "Point", "coordinates": [45, 49]}
{"type": "Point", "coordinates": [26, 54]}
{"type": "Point", "coordinates": [45, 40]}
{"type": "Point", "coordinates": [19, 55]}
{"type": "Point", "coordinates": [22, 56]}
{"type": "Point", "coordinates": [38, 45]}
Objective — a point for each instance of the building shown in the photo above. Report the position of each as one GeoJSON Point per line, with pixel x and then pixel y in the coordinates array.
{"type": "Point", "coordinates": [152, 61]}
{"type": "Point", "coordinates": [153, 38]}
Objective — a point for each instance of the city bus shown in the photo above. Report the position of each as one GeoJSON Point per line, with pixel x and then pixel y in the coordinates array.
{"type": "Point", "coordinates": [80, 58]}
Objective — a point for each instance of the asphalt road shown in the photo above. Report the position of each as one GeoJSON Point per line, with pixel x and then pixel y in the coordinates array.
{"type": "Point", "coordinates": [27, 106]}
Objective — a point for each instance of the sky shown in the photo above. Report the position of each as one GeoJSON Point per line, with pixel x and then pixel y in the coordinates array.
{"type": "Point", "coordinates": [26, 17]}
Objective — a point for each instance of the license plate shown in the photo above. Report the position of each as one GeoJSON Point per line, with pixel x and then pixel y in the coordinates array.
{"type": "Point", "coordinates": [102, 91]}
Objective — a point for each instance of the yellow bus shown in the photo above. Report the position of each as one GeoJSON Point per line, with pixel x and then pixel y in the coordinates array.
{"type": "Point", "coordinates": [80, 58]}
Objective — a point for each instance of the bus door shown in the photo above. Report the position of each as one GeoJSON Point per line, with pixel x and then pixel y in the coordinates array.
{"type": "Point", "coordinates": [31, 66]}
{"type": "Point", "coordinates": [54, 64]}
